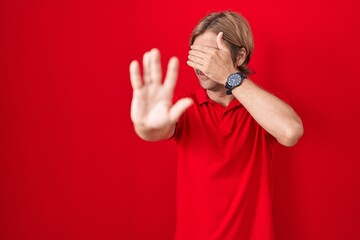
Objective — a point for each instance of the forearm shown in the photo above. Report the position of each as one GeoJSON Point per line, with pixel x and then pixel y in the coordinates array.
{"type": "Point", "coordinates": [151, 134]}
{"type": "Point", "coordinates": [274, 115]}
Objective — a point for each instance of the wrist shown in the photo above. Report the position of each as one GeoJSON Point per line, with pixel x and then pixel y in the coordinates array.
{"type": "Point", "coordinates": [242, 87]}
{"type": "Point", "coordinates": [233, 81]}
{"type": "Point", "coordinates": [148, 133]}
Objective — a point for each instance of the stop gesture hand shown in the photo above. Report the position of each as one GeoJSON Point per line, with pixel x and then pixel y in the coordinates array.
{"type": "Point", "coordinates": [152, 111]}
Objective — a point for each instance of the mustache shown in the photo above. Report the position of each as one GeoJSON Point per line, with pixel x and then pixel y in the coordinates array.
{"type": "Point", "coordinates": [198, 72]}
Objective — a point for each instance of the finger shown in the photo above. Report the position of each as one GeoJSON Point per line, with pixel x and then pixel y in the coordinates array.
{"type": "Point", "coordinates": [172, 73]}
{"type": "Point", "coordinates": [146, 67]}
{"type": "Point", "coordinates": [199, 54]}
{"type": "Point", "coordinates": [196, 65]}
{"type": "Point", "coordinates": [220, 42]}
{"type": "Point", "coordinates": [196, 59]}
{"type": "Point", "coordinates": [204, 49]}
{"type": "Point", "coordinates": [179, 108]}
{"type": "Point", "coordinates": [155, 66]}
{"type": "Point", "coordinates": [135, 77]}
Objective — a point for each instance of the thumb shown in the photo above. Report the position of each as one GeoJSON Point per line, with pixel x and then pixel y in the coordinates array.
{"type": "Point", "coordinates": [220, 41]}
{"type": "Point", "coordinates": [179, 108]}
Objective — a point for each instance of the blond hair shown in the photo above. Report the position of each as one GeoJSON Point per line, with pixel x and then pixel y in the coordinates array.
{"type": "Point", "coordinates": [236, 30]}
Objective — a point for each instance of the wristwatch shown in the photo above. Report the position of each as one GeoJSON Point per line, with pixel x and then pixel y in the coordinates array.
{"type": "Point", "coordinates": [234, 80]}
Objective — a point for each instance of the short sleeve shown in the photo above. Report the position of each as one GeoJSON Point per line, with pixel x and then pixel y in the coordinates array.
{"type": "Point", "coordinates": [180, 124]}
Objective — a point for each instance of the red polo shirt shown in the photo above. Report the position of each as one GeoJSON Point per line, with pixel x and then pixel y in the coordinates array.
{"type": "Point", "coordinates": [223, 185]}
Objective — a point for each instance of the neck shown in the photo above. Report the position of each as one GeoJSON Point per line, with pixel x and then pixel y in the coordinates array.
{"type": "Point", "coordinates": [220, 97]}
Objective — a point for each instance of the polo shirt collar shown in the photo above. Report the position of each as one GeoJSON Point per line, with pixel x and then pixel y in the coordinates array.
{"type": "Point", "coordinates": [202, 97]}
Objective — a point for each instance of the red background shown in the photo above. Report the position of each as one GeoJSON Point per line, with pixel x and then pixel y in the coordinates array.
{"type": "Point", "coordinates": [71, 166]}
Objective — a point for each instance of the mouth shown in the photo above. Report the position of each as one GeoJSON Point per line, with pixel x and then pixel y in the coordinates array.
{"type": "Point", "coordinates": [201, 75]}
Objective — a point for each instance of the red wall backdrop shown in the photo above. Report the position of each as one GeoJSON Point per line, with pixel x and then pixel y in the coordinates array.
{"type": "Point", "coordinates": [71, 166]}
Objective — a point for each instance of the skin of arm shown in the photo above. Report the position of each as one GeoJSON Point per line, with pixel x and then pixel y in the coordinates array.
{"type": "Point", "coordinates": [273, 114]}
{"type": "Point", "coordinates": [149, 134]}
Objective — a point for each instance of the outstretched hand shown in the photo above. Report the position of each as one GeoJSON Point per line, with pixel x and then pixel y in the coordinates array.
{"type": "Point", "coordinates": [151, 106]}
{"type": "Point", "coordinates": [215, 63]}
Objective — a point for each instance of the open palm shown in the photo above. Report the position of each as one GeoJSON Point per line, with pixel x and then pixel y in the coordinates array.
{"type": "Point", "coordinates": [151, 106]}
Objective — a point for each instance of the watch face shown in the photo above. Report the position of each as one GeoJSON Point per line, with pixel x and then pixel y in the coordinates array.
{"type": "Point", "coordinates": [234, 80]}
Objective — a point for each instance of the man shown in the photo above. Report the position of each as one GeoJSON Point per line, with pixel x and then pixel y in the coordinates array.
{"type": "Point", "coordinates": [226, 132]}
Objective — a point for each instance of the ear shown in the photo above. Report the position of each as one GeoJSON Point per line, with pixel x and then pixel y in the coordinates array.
{"type": "Point", "coordinates": [241, 57]}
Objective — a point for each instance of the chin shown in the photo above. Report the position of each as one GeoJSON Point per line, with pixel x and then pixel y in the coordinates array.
{"type": "Point", "coordinates": [211, 85]}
